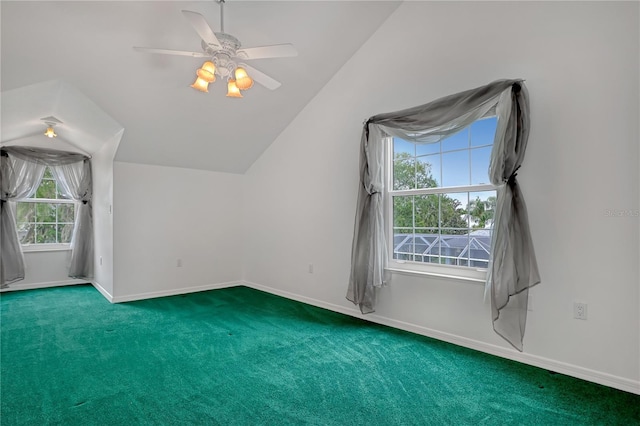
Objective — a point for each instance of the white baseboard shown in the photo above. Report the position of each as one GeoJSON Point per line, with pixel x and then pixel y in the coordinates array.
{"type": "Point", "coordinates": [605, 379]}
{"type": "Point", "coordinates": [33, 286]}
{"type": "Point", "coordinates": [103, 291]}
{"type": "Point", "coordinates": [171, 292]}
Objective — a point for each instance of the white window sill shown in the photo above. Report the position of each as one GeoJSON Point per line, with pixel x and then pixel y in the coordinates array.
{"type": "Point", "coordinates": [480, 277]}
{"type": "Point", "coordinates": [29, 248]}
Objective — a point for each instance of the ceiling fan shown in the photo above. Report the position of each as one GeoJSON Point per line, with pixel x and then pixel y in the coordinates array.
{"type": "Point", "coordinates": [225, 57]}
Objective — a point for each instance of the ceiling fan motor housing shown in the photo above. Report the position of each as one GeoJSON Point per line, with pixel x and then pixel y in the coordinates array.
{"type": "Point", "coordinates": [229, 45]}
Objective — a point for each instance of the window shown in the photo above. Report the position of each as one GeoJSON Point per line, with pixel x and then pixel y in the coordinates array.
{"type": "Point", "coordinates": [441, 202]}
{"type": "Point", "coordinates": [45, 219]}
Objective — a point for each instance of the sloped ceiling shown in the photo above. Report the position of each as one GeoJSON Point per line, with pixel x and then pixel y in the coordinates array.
{"type": "Point", "coordinates": [88, 45]}
{"type": "Point", "coordinates": [82, 125]}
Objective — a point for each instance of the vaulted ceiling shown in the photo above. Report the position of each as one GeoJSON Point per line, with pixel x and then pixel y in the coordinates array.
{"type": "Point", "coordinates": [89, 46]}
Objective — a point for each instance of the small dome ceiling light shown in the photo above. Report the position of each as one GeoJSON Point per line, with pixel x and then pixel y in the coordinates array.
{"type": "Point", "coordinates": [50, 133]}
{"type": "Point", "coordinates": [50, 122]}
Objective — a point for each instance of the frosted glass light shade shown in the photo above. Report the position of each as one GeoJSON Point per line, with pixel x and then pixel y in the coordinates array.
{"type": "Point", "coordinates": [209, 66]}
{"type": "Point", "coordinates": [232, 89]}
{"type": "Point", "coordinates": [243, 81]}
{"type": "Point", "coordinates": [201, 85]}
{"type": "Point", "coordinates": [207, 72]}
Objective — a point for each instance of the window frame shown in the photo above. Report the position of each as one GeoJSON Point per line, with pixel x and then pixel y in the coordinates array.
{"type": "Point", "coordinates": [455, 272]}
{"type": "Point", "coordinates": [35, 247]}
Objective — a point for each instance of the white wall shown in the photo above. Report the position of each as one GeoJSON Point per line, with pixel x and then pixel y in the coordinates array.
{"type": "Point", "coordinates": [580, 62]}
{"type": "Point", "coordinates": [162, 214]}
{"type": "Point", "coordinates": [102, 168]}
{"type": "Point", "coordinates": [45, 269]}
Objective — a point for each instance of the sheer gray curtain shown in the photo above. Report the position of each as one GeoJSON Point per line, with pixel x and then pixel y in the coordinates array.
{"type": "Point", "coordinates": [369, 248]}
{"type": "Point", "coordinates": [72, 171]}
{"type": "Point", "coordinates": [18, 179]}
{"type": "Point", "coordinates": [513, 267]}
{"type": "Point", "coordinates": [75, 182]}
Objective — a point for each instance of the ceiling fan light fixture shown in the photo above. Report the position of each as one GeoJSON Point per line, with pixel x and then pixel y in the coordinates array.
{"type": "Point", "coordinates": [50, 133]}
{"type": "Point", "coordinates": [232, 89]}
{"type": "Point", "coordinates": [224, 50]}
{"type": "Point", "coordinates": [243, 81]}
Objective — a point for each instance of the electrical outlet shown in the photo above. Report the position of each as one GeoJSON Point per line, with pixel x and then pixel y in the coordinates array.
{"type": "Point", "coordinates": [310, 269]}
{"type": "Point", "coordinates": [580, 310]}
{"type": "Point", "coordinates": [179, 263]}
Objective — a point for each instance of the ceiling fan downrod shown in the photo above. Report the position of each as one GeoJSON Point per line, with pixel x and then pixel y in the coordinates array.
{"type": "Point", "coordinates": [221, 2]}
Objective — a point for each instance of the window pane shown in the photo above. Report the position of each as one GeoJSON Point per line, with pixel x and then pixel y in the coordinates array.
{"type": "Point", "coordinates": [428, 171]}
{"type": "Point", "coordinates": [402, 146]}
{"type": "Point", "coordinates": [452, 210]}
{"type": "Point", "coordinates": [26, 233]}
{"type": "Point", "coordinates": [483, 131]}
{"type": "Point", "coordinates": [423, 243]}
{"type": "Point", "coordinates": [65, 232]}
{"type": "Point", "coordinates": [458, 140]}
{"type": "Point", "coordinates": [65, 213]}
{"type": "Point", "coordinates": [45, 212]}
{"type": "Point", "coordinates": [426, 211]}
{"type": "Point", "coordinates": [45, 234]}
{"type": "Point", "coordinates": [404, 172]}
{"type": "Point", "coordinates": [453, 247]}
{"type": "Point", "coordinates": [25, 212]}
{"type": "Point", "coordinates": [427, 148]}
{"type": "Point", "coordinates": [482, 206]}
{"type": "Point", "coordinates": [431, 253]}
{"type": "Point", "coordinates": [403, 244]}
{"type": "Point", "coordinates": [403, 212]}
{"type": "Point", "coordinates": [455, 168]}
{"type": "Point", "coordinates": [47, 189]}
{"type": "Point", "coordinates": [480, 165]}
{"type": "Point", "coordinates": [479, 248]}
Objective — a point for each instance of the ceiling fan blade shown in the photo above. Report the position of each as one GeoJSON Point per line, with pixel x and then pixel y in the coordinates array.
{"type": "Point", "coordinates": [274, 51]}
{"type": "Point", "coordinates": [262, 78]}
{"type": "Point", "coordinates": [203, 29]}
{"type": "Point", "coordinates": [171, 52]}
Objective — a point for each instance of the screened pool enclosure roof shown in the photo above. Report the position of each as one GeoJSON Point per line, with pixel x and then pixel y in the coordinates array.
{"type": "Point", "coordinates": [470, 249]}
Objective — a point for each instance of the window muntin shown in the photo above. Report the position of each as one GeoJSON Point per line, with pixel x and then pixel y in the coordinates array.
{"type": "Point", "coordinates": [47, 217]}
{"type": "Point", "coordinates": [441, 201]}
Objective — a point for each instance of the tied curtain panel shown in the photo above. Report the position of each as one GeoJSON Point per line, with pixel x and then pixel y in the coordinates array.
{"type": "Point", "coordinates": [512, 266]}
{"type": "Point", "coordinates": [20, 174]}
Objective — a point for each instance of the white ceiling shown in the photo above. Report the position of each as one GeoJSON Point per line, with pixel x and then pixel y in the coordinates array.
{"type": "Point", "coordinates": [88, 45]}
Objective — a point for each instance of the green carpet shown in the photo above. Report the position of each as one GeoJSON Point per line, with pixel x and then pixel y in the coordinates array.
{"type": "Point", "coordinates": [243, 357]}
